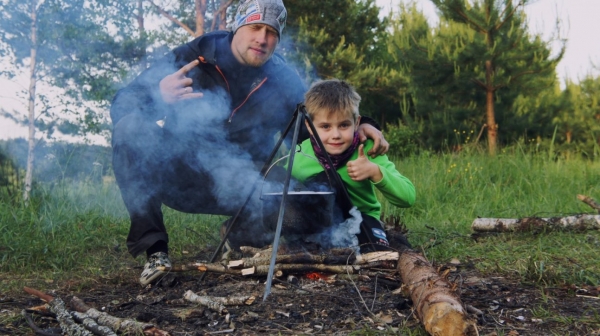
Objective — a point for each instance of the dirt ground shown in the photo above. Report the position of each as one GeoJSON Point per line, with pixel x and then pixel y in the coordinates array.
{"type": "Point", "coordinates": [500, 305]}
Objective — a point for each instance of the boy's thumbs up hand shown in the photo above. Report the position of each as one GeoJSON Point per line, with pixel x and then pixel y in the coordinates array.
{"type": "Point", "coordinates": [362, 169]}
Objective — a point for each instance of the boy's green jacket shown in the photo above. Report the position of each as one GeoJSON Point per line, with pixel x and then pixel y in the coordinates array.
{"type": "Point", "coordinates": [395, 187]}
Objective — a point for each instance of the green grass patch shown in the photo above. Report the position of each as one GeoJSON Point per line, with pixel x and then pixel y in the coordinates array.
{"type": "Point", "coordinates": [78, 230]}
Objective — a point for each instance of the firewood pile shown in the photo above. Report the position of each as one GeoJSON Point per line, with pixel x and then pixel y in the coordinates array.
{"type": "Point", "coordinates": [435, 301]}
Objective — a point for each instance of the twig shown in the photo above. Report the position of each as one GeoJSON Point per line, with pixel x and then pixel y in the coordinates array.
{"type": "Point", "coordinates": [35, 328]}
{"type": "Point", "coordinates": [589, 201]}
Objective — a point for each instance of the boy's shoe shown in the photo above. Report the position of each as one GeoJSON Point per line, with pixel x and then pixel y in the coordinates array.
{"type": "Point", "coordinates": [151, 272]}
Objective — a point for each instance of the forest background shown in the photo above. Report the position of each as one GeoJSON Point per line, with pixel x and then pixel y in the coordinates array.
{"type": "Point", "coordinates": [478, 76]}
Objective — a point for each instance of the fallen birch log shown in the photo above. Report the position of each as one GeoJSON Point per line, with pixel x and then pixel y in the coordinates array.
{"type": "Point", "coordinates": [589, 201]}
{"type": "Point", "coordinates": [302, 268]}
{"type": "Point", "coordinates": [437, 305]}
{"type": "Point", "coordinates": [577, 222]}
{"type": "Point", "coordinates": [58, 307]}
{"type": "Point", "coordinates": [120, 325]}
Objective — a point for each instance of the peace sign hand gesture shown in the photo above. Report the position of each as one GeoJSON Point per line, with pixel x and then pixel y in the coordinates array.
{"type": "Point", "coordinates": [177, 86]}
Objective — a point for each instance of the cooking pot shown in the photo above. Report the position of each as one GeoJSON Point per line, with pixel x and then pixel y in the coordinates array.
{"type": "Point", "coordinates": [305, 212]}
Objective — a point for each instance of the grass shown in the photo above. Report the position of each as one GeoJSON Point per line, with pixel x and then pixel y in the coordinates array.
{"type": "Point", "coordinates": [78, 230]}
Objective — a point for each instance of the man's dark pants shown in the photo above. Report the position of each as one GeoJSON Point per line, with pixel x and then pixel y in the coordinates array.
{"type": "Point", "coordinates": [154, 167]}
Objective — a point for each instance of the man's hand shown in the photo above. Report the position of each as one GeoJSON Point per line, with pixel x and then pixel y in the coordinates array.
{"type": "Point", "coordinates": [177, 86]}
{"type": "Point", "coordinates": [380, 145]}
{"type": "Point", "coordinates": [362, 169]}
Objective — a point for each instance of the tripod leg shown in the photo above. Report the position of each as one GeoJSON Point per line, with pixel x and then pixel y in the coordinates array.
{"type": "Point", "coordinates": [299, 120]}
{"type": "Point", "coordinates": [263, 171]}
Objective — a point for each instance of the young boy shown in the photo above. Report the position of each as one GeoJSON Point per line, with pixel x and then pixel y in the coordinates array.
{"type": "Point", "coordinates": [332, 105]}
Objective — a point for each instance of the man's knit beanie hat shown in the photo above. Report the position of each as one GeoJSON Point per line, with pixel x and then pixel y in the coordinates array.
{"type": "Point", "coordinates": [270, 12]}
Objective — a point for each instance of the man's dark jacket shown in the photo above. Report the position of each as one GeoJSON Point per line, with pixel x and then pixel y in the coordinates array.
{"type": "Point", "coordinates": [244, 106]}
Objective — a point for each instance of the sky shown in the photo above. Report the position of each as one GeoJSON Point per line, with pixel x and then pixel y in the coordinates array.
{"type": "Point", "coordinates": [579, 23]}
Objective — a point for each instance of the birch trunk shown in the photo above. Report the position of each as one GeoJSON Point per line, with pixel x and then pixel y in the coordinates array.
{"type": "Point", "coordinates": [578, 222]}
{"type": "Point", "coordinates": [31, 107]}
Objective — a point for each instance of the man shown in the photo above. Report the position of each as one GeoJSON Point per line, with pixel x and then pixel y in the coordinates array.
{"type": "Point", "coordinates": [191, 130]}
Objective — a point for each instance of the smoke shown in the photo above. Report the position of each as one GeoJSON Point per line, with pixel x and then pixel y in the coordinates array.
{"type": "Point", "coordinates": [340, 235]}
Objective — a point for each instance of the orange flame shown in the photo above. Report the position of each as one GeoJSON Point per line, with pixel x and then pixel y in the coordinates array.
{"type": "Point", "coordinates": [315, 276]}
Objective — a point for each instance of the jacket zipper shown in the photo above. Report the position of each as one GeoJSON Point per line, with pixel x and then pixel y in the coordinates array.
{"type": "Point", "coordinates": [201, 58]}
{"type": "Point", "coordinates": [248, 96]}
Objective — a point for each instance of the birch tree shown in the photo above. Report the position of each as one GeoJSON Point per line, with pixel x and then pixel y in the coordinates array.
{"type": "Point", "coordinates": [66, 45]}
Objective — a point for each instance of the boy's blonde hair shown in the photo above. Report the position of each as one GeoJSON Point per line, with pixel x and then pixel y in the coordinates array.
{"type": "Point", "coordinates": [332, 96]}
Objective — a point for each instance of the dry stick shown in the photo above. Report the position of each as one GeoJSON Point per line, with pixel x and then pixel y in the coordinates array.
{"type": "Point", "coordinates": [91, 325]}
{"type": "Point", "coordinates": [121, 325]}
{"type": "Point", "coordinates": [336, 269]}
{"type": "Point", "coordinates": [577, 222]}
{"type": "Point", "coordinates": [35, 328]}
{"type": "Point", "coordinates": [57, 306]}
{"type": "Point", "coordinates": [202, 267]}
{"type": "Point", "coordinates": [589, 201]}
{"type": "Point", "coordinates": [439, 309]}
{"type": "Point", "coordinates": [299, 258]}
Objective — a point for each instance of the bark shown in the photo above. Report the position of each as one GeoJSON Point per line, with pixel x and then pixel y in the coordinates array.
{"type": "Point", "coordinates": [31, 108]}
{"type": "Point", "coordinates": [575, 223]}
{"type": "Point", "coordinates": [589, 201]}
{"type": "Point", "coordinates": [58, 307]}
{"type": "Point", "coordinates": [120, 325]}
{"type": "Point", "coordinates": [437, 305]}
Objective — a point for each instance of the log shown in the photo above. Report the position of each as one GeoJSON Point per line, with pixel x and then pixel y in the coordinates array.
{"type": "Point", "coordinates": [302, 268]}
{"type": "Point", "coordinates": [589, 201]}
{"type": "Point", "coordinates": [437, 306]}
{"type": "Point", "coordinates": [250, 250]}
{"type": "Point", "coordinates": [120, 325]}
{"type": "Point", "coordinates": [298, 258]}
{"type": "Point", "coordinates": [58, 307]}
{"type": "Point", "coordinates": [577, 222]}
{"type": "Point", "coordinates": [370, 257]}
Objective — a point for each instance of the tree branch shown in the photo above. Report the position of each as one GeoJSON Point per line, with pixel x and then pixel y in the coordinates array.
{"type": "Point", "coordinates": [172, 19]}
{"type": "Point", "coordinates": [500, 24]}
{"type": "Point", "coordinates": [219, 13]}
